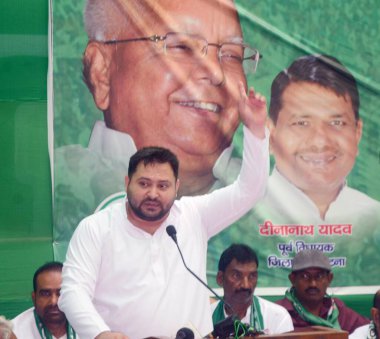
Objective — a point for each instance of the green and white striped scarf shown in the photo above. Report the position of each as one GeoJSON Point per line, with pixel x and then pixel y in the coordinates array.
{"type": "Point", "coordinates": [332, 316]}
{"type": "Point", "coordinates": [44, 331]}
{"type": "Point", "coordinates": [372, 333]}
{"type": "Point", "coordinates": [256, 317]}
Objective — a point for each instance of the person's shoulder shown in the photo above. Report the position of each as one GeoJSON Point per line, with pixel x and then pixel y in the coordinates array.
{"type": "Point", "coordinates": [188, 202]}
{"type": "Point", "coordinates": [109, 211]}
{"type": "Point", "coordinates": [273, 306]}
{"type": "Point", "coordinates": [23, 323]}
{"type": "Point", "coordinates": [102, 221]}
{"type": "Point", "coordinates": [359, 333]}
{"type": "Point", "coordinates": [360, 198]}
{"type": "Point", "coordinates": [213, 305]}
{"type": "Point", "coordinates": [23, 315]}
{"type": "Point", "coordinates": [342, 306]}
{"type": "Point", "coordinates": [284, 303]}
{"type": "Point", "coordinates": [340, 303]}
{"type": "Point", "coordinates": [276, 317]}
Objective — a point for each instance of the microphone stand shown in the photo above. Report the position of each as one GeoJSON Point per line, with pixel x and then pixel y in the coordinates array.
{"type": "Point", "coordinates": [173, 234]}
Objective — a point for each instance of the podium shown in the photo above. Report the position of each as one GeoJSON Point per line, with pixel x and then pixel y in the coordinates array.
{"type": "Point", "coordinates": [312, 332]}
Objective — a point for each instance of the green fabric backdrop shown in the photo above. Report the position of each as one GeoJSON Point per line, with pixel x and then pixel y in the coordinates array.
{"type": "Point", "coordinates": [281, 30]}
{"type": "Point", "coordinates": [25, 182]}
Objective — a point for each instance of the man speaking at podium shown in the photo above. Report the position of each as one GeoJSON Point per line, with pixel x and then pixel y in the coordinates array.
{"type": "Point", "coordinates": [123, 277]}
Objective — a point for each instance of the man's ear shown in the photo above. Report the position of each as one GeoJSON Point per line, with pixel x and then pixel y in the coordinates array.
{"type": "Point", "coordinates": [271, 127]}
{"type": "Point", "coordinates": [176, 187]}
{"type": "Point", "coordinates": [330, 277]}
{"type": "Point", "coordinates": [126, 181]}
{"type": "Point", "coordinates": [292, 278]}
{"type": "Point", "coordinates": [359, 131]}
{"type": "Point", "coordinates": [97, 63]}
{"type": "Point", "coordinates": [219, 278]}
{"type": "Point", "coordinates": [34, 298]}
{"type": "Point", "coordinates": [375, 316]}
{"type": "Point", "coordinates": [269, 124]}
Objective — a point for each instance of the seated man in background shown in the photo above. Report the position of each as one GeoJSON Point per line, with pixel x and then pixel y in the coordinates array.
{"type": "Point", "coordinates": [372, 330]}
{"type": "Point", "coordinates": [45, 319]}
{"type": "Point", "coordinates": [123, 277]}
{"type": "Point", "coordinates": [237, 274]}
{"type": "Point", "coordinates": [307, 301]}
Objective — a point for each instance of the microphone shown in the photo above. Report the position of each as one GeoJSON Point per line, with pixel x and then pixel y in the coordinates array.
{"type": "Point", "coordinates": [184, 333]}
{"type": "Point", "coordinates": [224, 328]}
{"type": "Point", "coordinates": [172, 232]}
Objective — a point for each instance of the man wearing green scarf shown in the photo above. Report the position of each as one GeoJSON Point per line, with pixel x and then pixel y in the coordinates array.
{"type": "Point", "coordinates": [307, 301]}
{"type": "Point", "coordinates": [45, 320]}
{"type": "Point", "coordinates": [237, 274]}
{"type": "Point", "coordinates": [371, 331]}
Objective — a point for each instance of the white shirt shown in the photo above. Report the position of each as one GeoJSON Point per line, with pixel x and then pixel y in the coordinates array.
{"type": "Point", "coordinates": [360, 333]}
{"type": "Point", "coordinates": [285, 205]}
{"type": "Point", "coordinates": [24, 326]}
{"type": "Point", "coordinates": [118, 277]}
{"type": "Point", "coordinates": [284, 202]}
{"type": "Point", "coordinates": [86, 178]}
{"type": "Point", "coordinates": [276, 318]}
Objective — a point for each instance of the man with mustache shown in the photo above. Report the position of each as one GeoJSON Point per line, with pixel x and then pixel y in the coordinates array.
{"type": "Point", "coordinates": [237, 274]}
{"type": "Point", "coordinates": [315, 133]}
{"type": "Point", "coordinates": [45, 319]}
{"type": "Point", "coordinates": [123, 276]}
{"type": "Point", "coordinates": [307, 301]}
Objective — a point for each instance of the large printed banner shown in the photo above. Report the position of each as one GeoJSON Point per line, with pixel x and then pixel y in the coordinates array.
{"type": "Point", "coordinates": [112, 97]}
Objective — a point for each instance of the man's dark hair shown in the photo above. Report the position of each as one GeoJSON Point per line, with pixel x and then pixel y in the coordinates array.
{"type": "Point", "coordinates": [52, 266]}
{"type": "Point", "coordinates": [241, 252]}
{"type": "Point", "coordinates": [322, 70]}
{"type": "Point", "coordinates": [376, 300]}
{"type": "Point", "coordinates": [153, 155]}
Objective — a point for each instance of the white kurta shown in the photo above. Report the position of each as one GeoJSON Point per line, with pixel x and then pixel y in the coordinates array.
{"type": "Point", "coordinates": [360, 333]}
{"type": "Point", "coordinates": [87, 178]}
{"type": "Point", "coordinates": [24, 326]}
{"type": "Point", "coordinates": [275, 317]}
{"type": "Point", "coordinates": [285, 203]}
{"type": "Point", "coordinates": [117, 277]}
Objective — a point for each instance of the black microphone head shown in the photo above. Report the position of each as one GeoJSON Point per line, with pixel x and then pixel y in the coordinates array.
{"type": "Point", "coordinates": [184, 332]}
{"type": "Point", "coordinates": [172, 232]}
{"type": "Point", "coordinates": [226, 328]}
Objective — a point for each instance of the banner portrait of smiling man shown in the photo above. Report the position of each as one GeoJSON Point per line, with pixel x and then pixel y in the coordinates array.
{"type": "Point", "coordinates": [129, 74]}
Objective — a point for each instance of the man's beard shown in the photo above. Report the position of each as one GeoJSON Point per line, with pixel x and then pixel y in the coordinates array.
{"type": "Point", "coordinates": [53, 318]}
{"type": "Point", "coordinates": [138, 211]}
